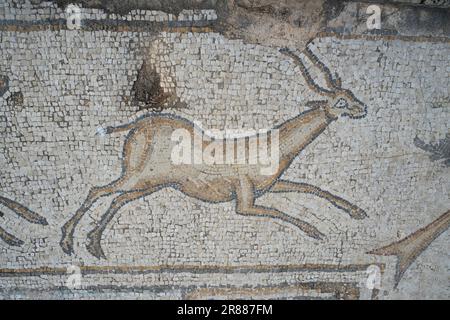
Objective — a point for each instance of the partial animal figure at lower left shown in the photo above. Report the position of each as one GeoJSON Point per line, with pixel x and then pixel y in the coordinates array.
{"type": "Point", "coordinates": [22, 212]}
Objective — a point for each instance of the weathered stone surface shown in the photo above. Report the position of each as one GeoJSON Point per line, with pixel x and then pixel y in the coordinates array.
{"type": "Point", "coordinates": [364, 187]}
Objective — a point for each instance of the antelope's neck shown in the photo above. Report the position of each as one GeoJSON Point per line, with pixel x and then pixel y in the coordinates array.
{"type": "Point", "coordinates": [297, 133]}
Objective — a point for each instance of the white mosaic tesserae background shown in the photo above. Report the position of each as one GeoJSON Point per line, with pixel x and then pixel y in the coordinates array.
{"type": "Point", "coordinates": [63, 85]}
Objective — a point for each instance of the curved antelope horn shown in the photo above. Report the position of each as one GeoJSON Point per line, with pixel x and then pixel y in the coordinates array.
{"type": "Point", "coordinates": [312, 85]}
{"type": "Point", "coordinates": [337, 80]}
{"type": "Point", "coordinates": [332, 83]}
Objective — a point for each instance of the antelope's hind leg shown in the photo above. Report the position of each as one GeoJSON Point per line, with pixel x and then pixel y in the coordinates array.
{"type": "Point", "coordinates": [245, 205]}
{"type": "Point", "coordinates": [68, 229]}
{"type": "Point", "coordinates": [94, 237]}
{"type": "Point", "coordinates": [289, 186]}
{"type": "Point", "coordinates": [135, 149]}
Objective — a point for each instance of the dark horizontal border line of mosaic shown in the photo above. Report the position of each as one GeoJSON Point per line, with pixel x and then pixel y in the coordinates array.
{"type": "Point", "coordinates": [85, 270]}
{"type": "Point", "coordinates": [116, 292]}
{"type": "Point", "coordinates": [376, 36]}
{"type": "Point", "coordinates": [188, 291]}
{"type": "Point", "coordinates": [321, 287]}
{"type": "Point", "coordinates": [95, 25]}
{"type": "Point", "coordinates": [208, 25]}
{"type": "Point", "coordinates": [163, 288]}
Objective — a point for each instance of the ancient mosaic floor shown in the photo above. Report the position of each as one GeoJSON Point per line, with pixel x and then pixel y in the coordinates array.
{"type": "Point", "coordinates": [92, 207]}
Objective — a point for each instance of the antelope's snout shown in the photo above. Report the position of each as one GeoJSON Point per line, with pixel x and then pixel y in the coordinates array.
{"type": "Point", "coordinates": [348, 106]}
{"type": "Point", "coordinates": [357, 111]}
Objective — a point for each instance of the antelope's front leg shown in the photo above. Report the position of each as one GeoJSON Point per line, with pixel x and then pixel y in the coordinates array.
{"type": "Point", "coordinates": [289, 186]}
{"type": "Point", "coordinates": [245, 205]}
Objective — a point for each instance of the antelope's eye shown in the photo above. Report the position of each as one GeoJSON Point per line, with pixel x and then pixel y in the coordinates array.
{"type": "Point", "coordinates": [341, 103]}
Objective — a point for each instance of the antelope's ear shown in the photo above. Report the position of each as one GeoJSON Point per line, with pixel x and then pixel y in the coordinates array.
{"type": "Point", "coordinates": [337, 81]}
{"type": "Point", "coordinates": [316, 103]}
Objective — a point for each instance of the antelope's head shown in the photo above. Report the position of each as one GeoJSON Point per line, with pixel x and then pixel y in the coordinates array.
{"type": "Point", "coordinates": [337, 101]}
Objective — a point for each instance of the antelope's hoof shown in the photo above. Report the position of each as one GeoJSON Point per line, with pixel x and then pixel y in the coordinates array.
{"type": "Point", "coordinates": [33, 217]}
{"type": "Point", "coordinates": [316, 234]}
{"type": "Point", "coordinates": [357, 213]}
{"type": "Point", "coordinates": [66, 244]}
{"type": "Point", "coordinates": [40, 220]}
{"type": "Point", "coordinates": [309, 230]}
{"type": "Point", "coordinates": [94, 247]}
{"type": "Point", "coordinates": [312, 232]}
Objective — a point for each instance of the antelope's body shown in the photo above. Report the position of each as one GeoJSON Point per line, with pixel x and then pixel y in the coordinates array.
{"type": "Point", "coordinates": [149, 146]}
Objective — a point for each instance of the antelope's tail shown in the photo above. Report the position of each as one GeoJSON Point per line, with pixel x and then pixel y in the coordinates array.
{"type": "Point", "coordinates": [121, 128]}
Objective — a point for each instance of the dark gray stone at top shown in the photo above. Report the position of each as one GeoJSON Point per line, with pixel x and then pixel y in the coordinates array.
{"type": "Point", "coordinates": [4, 84]}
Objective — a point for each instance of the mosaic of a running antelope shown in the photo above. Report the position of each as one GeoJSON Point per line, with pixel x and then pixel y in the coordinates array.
{"type": "Point", "coordinates": [147, 165]}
